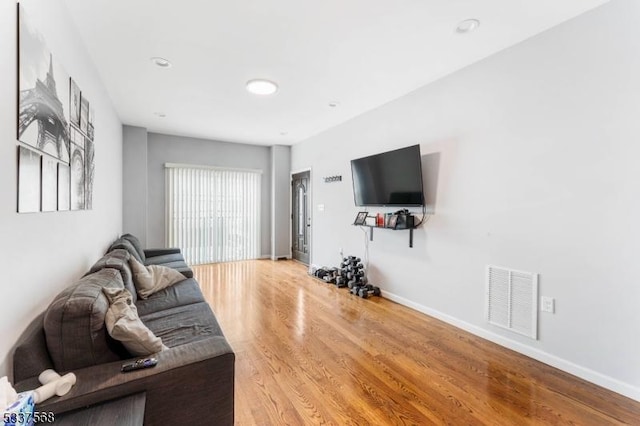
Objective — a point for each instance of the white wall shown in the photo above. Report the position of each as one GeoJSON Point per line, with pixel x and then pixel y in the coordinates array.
{"type": "Point", "coordinates": [134, 182]}
{"type": "Point", "coordinates": [44, 252]}
{"type": "Point", "coordinates": [280, 201]}
{"type": "Point", "coordinates": [537, 169]}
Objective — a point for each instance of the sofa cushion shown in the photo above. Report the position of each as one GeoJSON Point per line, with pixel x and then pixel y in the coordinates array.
{"type": "Point", "coordinates": [124, 325]}
{"type": "Point", "coordinates": [183, 324]}
{"type": "Point", "coordinates": [31, 356]}
{"type": "Point", "coordinates": [122, 243]}
{"type": "Point", "coordinates": [164, 258]}
{"type": "Point", "coordinates": [74, 323]}
{"type": "Point", "coordinates": [135, 242]}
{"type": "Point", "coordinates": [153, 278]}
{"type": "Point", "coordinates": [183, 293]}
{"type": "Point", "coordinates": [118, 259]}
{"type": "Point", "coordinates": [181, 267]}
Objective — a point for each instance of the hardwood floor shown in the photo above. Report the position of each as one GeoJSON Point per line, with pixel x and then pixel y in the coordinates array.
{"type": "Point", "coordinates": [310, 353]}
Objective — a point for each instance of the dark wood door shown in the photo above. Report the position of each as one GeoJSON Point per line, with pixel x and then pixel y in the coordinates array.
{"type": "Point", "coordinates": [300, 216]}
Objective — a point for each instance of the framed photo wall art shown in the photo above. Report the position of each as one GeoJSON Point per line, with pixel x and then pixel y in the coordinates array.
{"type": "Point", "coordinates": [55, 130]}
{"type": "Point", "coordinates": [392, 222]}
{"type": "Point", "coordinates": [361, 218]}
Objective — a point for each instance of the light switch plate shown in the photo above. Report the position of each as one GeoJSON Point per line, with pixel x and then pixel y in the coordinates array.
{"type": "Point", "coordinates": [548, 304]}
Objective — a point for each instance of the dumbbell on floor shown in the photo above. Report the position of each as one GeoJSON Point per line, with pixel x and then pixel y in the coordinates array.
{"type": "Point", "coordinates": [368, 290]}
{"type": "Point", "coordinates": [365, 291]}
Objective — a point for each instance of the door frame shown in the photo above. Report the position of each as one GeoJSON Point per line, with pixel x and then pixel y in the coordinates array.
{"type": "Point", "coordinates": [310, 196]}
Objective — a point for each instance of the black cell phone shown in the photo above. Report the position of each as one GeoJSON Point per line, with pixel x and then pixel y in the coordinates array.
{"type": "Point", "coordinates": [139, 364]}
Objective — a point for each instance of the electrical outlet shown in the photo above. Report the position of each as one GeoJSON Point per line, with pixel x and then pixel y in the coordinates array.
{"type": "Point", "coordinates": [548, 304]}
{"type": "Point", "coordinates": [340, 251]}
{"type": "Point", "coordinates": [320, 207]}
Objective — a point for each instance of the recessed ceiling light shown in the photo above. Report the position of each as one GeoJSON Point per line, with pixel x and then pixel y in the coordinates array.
{"type": "Point", "coordinates": [467, 26]}
{"type": "Point", "coordinates": [262, 87]}
{"type": "Point", "coordinates": [161, 62]}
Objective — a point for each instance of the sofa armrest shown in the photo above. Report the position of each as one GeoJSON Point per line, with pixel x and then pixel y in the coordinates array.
{"type": "Point", "coordinates": [152, 252]}
{"type": "Point", "coordinates": [191, 382]}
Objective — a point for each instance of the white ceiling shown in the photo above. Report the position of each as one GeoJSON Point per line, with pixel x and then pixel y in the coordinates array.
{"type": "Point", "coordinates": [360, 53]}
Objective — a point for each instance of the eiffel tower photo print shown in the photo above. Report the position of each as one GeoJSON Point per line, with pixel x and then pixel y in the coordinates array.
{"type": "Point", "coordinates": [55, 129]}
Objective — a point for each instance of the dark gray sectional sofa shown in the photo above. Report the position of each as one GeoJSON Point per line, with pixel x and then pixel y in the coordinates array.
{"type": "Point", "coordinates": [194, 378]}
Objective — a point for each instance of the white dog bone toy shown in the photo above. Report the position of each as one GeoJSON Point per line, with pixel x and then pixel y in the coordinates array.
{"type": "Point", "coordinates": [50, 375]}
{"type": "Point", "coordinates": [53, 384]}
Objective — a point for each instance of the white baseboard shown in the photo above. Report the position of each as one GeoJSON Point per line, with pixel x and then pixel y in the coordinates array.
{"type": "Point", "coordinates": [587, 374]}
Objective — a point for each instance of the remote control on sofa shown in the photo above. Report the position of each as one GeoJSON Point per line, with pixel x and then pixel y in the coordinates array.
{"type": "Point", "coordinates": [139, 364]}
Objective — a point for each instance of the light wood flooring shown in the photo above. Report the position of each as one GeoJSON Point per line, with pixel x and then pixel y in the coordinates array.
{"type": "Point", "coordinates": [309, 353]}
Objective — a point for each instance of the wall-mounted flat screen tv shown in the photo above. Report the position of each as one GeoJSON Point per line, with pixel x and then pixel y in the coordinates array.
{"type": "Point", "coordinates": [392, 178]}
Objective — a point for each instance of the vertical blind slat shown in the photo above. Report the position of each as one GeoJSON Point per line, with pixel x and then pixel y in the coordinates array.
{"type": "Point", "coordinates": [213, 215]}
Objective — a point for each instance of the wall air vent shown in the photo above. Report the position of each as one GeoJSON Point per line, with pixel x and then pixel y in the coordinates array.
{"type": "Point", "coordinates": [512, 300]}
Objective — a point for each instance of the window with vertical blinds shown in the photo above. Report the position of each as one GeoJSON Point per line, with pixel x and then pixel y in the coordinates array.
{"type": "Point", "coordinates": [213, 215]}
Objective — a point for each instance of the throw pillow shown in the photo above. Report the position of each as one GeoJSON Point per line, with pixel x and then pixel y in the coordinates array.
{"type": "Point", "coordinates": [153, 278]}
{"type": "Point", "coordinates": [74, 324]}
{"type": "Point", "coordinates": [123, 324]}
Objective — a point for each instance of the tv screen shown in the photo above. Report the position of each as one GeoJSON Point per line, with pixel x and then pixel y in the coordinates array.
{"type": "Point", "coordinates": [391, 178]}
